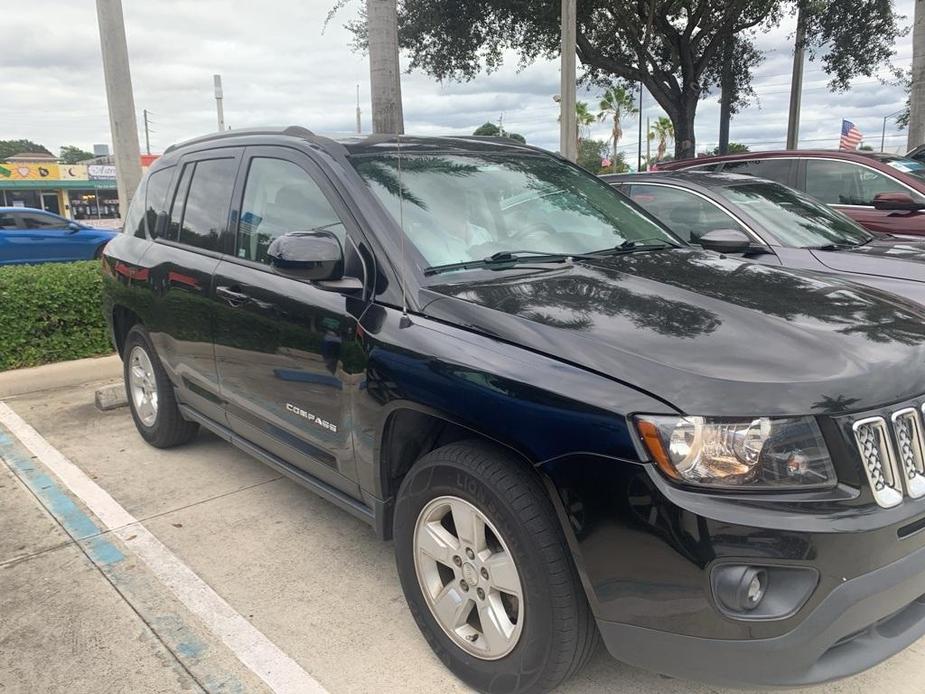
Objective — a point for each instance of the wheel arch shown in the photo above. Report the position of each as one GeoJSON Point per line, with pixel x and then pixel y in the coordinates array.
{"type": "Point", "coordinates": [123, 319]}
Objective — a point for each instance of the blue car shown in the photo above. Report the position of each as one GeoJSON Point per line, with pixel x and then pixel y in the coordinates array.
{"type": "Point", "coordinates": [35, 236]}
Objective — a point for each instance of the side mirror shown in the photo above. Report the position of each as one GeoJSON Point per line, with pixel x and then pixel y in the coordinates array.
{"type": "Point", "coordinates": [307, 255]}
{"type": "Point", "coordinates": [897, 201]}
{"type": "Point", "coordinates": [73, 226]}
{"type": "Point", "coordinates": [726, 241]}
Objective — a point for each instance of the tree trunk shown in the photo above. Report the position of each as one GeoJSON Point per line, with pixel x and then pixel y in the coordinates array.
{"type": "Point", "coordinates": [384, 70]}
{"type": "Point", "coordinates": [685, 144]}
{"type": "Point", "coordinates": [917, 93]}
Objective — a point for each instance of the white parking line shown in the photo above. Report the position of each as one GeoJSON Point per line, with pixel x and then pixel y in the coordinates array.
{"type": "Point", "coordinates": [255, 651]}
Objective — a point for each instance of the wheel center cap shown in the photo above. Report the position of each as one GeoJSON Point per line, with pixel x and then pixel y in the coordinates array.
{"type": "Point", "coordinates": [470, 574]}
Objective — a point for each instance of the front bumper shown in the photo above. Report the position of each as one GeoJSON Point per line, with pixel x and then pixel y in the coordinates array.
{"type": "Point", "coordinates": [860, 623]}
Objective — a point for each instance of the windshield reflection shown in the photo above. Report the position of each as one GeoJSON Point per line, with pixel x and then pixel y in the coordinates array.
{"type": "Point", "coordinates": [457, 208]}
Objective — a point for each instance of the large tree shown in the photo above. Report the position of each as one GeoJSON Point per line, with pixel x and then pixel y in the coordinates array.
{"type": "Point", "coordinates": [10, 148]}
{"type": "Point", "coordinates": [674, 47]}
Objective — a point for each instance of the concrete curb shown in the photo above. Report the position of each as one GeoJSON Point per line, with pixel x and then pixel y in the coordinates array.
{"type": "Point", "coordinates": [61, 375]}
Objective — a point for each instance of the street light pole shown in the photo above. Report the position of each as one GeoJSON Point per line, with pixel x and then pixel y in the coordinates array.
{"type": "Point", "coordinates": [122, 120]}
{"type": "Point", "coordinates": [568, 121]}
{"type": "Point", "coordinates": [219, 98]}
{"type": "Point", "coordinates": [883, 132]}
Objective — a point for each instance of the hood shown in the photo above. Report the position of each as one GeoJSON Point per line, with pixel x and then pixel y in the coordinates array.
{"type": "Point", "coordinates": [896, 258]}
{"type": "Point", "coordinates": [709, 335]}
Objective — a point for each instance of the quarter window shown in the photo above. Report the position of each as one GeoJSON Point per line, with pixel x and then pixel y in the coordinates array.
{"type": "Point", "coordinates": [280, 197]}
{"type": "Point", "coordinates": [846, 183]}
{"type": "Point", "coordinates": [156, 197]}
{"type": "Point", "coordinates": [134, 220]}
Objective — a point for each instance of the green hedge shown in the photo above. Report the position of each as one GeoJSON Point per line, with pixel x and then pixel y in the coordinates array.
{"type": "Point", "coordinates": [51, 312]}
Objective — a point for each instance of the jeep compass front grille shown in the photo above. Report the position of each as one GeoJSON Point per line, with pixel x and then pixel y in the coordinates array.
{"type": "Point", "coordinates": [893, 467]}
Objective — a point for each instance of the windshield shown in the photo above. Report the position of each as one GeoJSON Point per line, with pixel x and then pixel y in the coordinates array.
{"type": "Point", "coordinates": [908, 166]}
{"type": "Point", "coordinates": [460, 208]}
{"type": "Point", "coordinates": [795, 219]}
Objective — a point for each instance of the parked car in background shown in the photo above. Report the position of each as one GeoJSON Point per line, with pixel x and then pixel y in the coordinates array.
{"type": "Point", "coordinates": [573, 425]}
{"type": "Point", "coordinates": [882, 192]}
{"type": "Point", "coordinates": [772, 224]}
{"type": "Point", "coordinates": [917, 153]}
{"type": "Point", "coordinates": [36, 236]}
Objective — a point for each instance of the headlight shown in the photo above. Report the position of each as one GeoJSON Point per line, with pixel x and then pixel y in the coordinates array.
{"type": "Point", "coordinates": [754, 453]}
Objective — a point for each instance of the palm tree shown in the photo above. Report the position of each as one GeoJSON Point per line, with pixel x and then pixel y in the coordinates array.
{"type": "Point", "coordinates": [384, 71]}
{"type": "Point", "coordinates": [583, 119]}
{"type": "Point", "coordinates": [615, 103]}
{"type": "Point", "coordinates": [663, 130]}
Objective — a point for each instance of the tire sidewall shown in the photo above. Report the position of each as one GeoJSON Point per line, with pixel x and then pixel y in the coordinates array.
{"type": "Point", "coordinates": [138, 338]}
{"type": "Point", "coordinates": [524, 665]}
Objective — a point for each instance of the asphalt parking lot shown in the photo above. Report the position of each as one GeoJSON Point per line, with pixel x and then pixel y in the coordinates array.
{"type": "Point", "coordinates": [216, 575]}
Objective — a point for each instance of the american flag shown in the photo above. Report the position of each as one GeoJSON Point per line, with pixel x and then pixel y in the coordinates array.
{"type": "Point", "coordinates": [850, 136]}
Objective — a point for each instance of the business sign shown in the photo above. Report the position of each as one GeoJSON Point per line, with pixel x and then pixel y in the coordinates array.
{"type": "Point", "coordinates": [97, 171]}
{"type": "Point", "coordinates": [72, 172]}
{"type": "Point", "coordinates": [16, 171]}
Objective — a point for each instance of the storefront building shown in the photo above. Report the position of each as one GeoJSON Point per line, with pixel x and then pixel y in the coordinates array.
{"type": "Point", "coordinates": [75, 191]}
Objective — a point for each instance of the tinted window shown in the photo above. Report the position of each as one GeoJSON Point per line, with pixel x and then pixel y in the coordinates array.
{"type": "Point", "coordinates": [176, 210]}
{"type": "Point", "coordinates": [41, 221]}
{"type": "Point", "coordinates": [156, 197]}
{"type": "Point", "coordinates": [7, 222]}
{"type": "Point", "coordinates": [845, 183]}
{"type": "Point", "coordinates": [773, 169]}
{"type": "Point", "coordinates": [688, 215]}
{"type": "Point", "coordinates": [134, 219]}
{"type": "Point", "coordinates": [795, 219]}
{"type": "Point", "coordinates": [206, 211]}
{"type": "Point", "coordinates": [280, 197]}
{"type": "Point", "coordinates": [459, 208]}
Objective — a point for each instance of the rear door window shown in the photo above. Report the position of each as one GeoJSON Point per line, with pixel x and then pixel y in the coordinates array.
{"type": "Point", "coordinates": [40, 221]}
{"type": "Point", "coordinates": [205, 214]}
{"type": "Point", "coordinates": [687, 214]}
{"type": "Point", "coordinates": [7, 221]}
{"type": "Point", "coordinates": [775, 169]}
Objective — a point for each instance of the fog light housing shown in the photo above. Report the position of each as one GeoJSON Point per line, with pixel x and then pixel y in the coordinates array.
{"type": "Point", "coordinates": [748, 592]}
{"type": "Point", "coordinates": [740, 588]}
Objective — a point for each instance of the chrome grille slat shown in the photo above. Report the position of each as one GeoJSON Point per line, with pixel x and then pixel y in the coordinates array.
{"type": "Point", "coordinates": [910, 449]}
{"type": "Point", "coordinates": [876, 449]}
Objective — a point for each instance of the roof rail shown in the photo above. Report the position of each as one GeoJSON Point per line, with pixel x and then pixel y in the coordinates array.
{"type": "Point", "coordinates": [292, 130]}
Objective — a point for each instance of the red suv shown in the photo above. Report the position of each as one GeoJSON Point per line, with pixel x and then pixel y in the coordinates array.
{"type": "Point", "coordinates": [883, 192]}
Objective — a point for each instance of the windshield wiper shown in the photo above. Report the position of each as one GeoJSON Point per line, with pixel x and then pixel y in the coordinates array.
{"type": "Point", "coordinates": [503, 260]}
{"type": "Point", "coordinates": [632, 245]}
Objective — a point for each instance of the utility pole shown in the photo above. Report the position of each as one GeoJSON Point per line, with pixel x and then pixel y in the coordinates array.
{"type": "Point", "coordinates": [796, 83]}
{"type": "Point", "coordinates": [359, 121]}
{"type": "Point", "coordinates": [147, 135]}
{"type": "Point", "coordinates": [568, 120]}
{"type": "Point", "coordinates": [648, 144]}
{"type": "Point", "coordinates": [122, 120]}
{"type": "Point", "coordinates": [917, 93]}
{"type": "Point", "coordinates": [639, 148]}
{"type": "Point", "coordinates": [219, 108]}
{"type": "Point", "coordinates": [384, 69]}
{"type": "Point", "coordinates": [725, 104]}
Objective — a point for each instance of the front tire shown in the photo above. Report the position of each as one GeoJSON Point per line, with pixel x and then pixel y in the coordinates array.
{"type": "Point", "coordinates": [487, 573]}
{"type": "Point", "coordinates": [150, 394]}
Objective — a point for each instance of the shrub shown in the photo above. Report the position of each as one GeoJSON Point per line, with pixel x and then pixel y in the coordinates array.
{"type": "Point", "coordinates": [50, 313]}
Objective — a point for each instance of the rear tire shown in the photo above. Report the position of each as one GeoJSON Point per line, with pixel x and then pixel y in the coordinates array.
{"type": "Point", "coordinates": [150, 394]}
{"type": "Point", "coordinates": [542, 637]}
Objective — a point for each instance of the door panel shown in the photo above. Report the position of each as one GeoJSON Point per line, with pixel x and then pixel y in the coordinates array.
{"type": "Point", "coordinates": [280, 346]}
{"type": "Point", "coordinates": [287, 351]}
{"type": "Point", "coordinates": [182, 262]}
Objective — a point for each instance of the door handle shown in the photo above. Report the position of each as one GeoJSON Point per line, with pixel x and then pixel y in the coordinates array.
{"type": "Point", "coordinates": [231, 296]}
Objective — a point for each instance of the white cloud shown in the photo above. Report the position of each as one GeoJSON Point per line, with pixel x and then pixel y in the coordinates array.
{"type": "Point", "coordinates": [279, 68]}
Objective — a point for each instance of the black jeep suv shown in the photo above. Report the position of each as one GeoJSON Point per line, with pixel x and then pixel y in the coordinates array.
{"type": "Point", "coordinates": [572, 425]}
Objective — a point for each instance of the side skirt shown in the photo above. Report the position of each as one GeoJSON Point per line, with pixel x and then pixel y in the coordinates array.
{"type": "Point", "coordinates": [357, 509]}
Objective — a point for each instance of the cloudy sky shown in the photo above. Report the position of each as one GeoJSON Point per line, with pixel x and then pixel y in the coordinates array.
{"type": "Point", "coordinates": [280, 68]}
